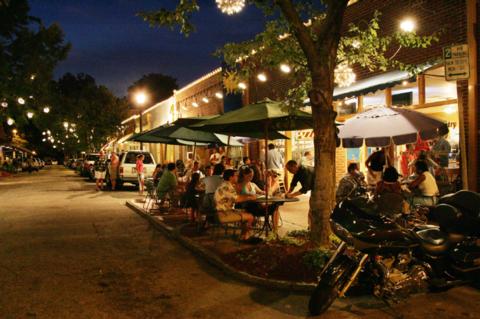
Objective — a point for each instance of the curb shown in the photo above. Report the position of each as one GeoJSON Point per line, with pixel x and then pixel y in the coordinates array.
{"type": "Point", "coordinates": [217, 262]}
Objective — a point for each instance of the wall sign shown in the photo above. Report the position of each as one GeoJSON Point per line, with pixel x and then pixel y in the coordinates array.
{"type": "Point", "coordinates": [455, 58]}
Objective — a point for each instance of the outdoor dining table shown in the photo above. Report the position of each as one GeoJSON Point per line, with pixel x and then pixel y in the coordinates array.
{"type": "Point", "coordinates": [267, 226]}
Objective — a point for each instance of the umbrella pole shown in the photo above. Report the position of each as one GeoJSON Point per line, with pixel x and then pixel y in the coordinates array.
{"type": "Point", "coordinates": [228, 147]}
{"type": "Point", "coordinates": [266, 179]}
{"type": "Point", "coordinates": [194, 150]}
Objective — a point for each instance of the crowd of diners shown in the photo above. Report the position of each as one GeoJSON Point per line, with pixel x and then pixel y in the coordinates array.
{"type": "Point", "coordinates": [422, 164]}
{"type": "Point", "coordinates": [231, 190]}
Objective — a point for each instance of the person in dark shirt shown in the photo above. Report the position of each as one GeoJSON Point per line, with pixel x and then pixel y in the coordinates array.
{"type": "Point", "coordinates": [303, 174]}
{"type": "Point", "coordinates": [306, 176]}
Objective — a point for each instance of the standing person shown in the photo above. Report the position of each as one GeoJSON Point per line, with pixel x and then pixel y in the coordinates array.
{"type": "Point", "coordinates": [113, 171]}
{"type": "Point", "coordinates": [440, 151]}
{"type": "Point", "coordinates": [407, 157]}
{"type": "Point", "coordinates": [215, 157]}
{"type": "Point", "coordinates": [100, 168]}
{"type": "Point", "coordinates": [306, 176]}
{"type": "Point", "coordinates": [275, 159]}
{"type": "Point", "coordinates": [140, 173]}
{"type": "Point", "coordinates": [375, 164]}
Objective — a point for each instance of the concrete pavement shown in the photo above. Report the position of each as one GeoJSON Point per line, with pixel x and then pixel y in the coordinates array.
{"type": "Point", "coordinates": [67, 251]}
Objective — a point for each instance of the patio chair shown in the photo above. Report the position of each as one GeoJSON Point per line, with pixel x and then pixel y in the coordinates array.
{"type": "Point", "coordinates": [150, 197]}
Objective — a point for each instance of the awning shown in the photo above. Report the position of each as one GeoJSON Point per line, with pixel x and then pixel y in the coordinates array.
{"type": "Point", "coordinates": [373, 84]}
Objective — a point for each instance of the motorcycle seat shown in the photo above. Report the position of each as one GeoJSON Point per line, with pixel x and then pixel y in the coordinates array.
{"type": "Point", "coordinates": [432, 236]}
{"type": "Point", "coordinates": [433, 241]}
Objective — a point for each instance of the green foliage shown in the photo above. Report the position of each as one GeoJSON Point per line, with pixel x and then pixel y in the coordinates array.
{"type": "Point", "coordinates": [316, 259]}
{"type": "Point", "coordinates": [180, 16]}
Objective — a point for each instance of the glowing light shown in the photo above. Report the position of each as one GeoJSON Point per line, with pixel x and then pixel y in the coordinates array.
{"type": "Point", "coordinates": [140, 98]}
{"type": "Point", "coordinates": [29, 115]}
{"type": "Point", "coordinates": [449, 110]}
{"type": "Point", "coordinates": [10, 121]}
{"type": "Point", "coordinates": [21, 101]}
{"type": "Point", "coordinates": [262, 77]}
{"type": "Point", "coordinates": [230, 6]}
{"type": "Point", "coordinates": [43, 133]}
{"type": "Point", "coordinates": [242, 86]}
{"type": "Point", "coordinates": [405, 83]}
{"type": "Point", "coordinates": [205, 100]}
{"type": "Point", "coordinates": [46, 109]}
{"type": "Point", "coordinates": [195, 104]}
{"type": "Point", "coordinates": [285, 68]}
{"type": "Point", "coordinates": [344, 75]}
{"type": "Point", "coordinates": [407, 25]}
{"type": "Point", "coordinates": [44, 139]}
{"type": "Point", "coordinates": [71, 130]}
{"type": "Point", "coordinates": [356, 44]}
{"type": "Point", "coordinates": [48, 132]}
{"type": "Point", "coordinates": [14, 131]}
{"type": "Point", "coordinates": [350, 101]}
{"type": "Point", "coordinates": [65, 124]}
{"type": "Point", "coordinates": [32, 77]}
{"type": "Point", "coordinates": [4, 104]}
{"type": "Point", "coordinates": [219, 95]}
{"type": "Point", "coordinates": [54, 146]}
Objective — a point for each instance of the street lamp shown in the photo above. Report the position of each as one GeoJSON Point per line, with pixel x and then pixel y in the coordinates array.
{"type": "Point", "coordinates": [46, 109]}
{"type": "Point", "coordinates": [29, 115]}
{"type": "Point", "coordinates": [140, 98]}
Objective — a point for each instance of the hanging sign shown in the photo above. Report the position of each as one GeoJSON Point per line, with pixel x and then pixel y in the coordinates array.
{"type": "Point", "coordinates": [455, 58]}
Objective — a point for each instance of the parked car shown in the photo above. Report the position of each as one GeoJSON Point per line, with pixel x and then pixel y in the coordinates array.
{"type": "Point", "coordinates": [88, 169]}
{"type": "Point", "coordinates": [127, 172]}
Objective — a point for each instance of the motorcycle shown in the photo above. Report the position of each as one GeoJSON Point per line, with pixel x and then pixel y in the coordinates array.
{"type": "Point", "coordinates": [394, 261]}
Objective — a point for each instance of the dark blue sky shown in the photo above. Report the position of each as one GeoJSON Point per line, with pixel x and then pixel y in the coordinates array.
{"type": "Point", "coordinates": [116, 47]}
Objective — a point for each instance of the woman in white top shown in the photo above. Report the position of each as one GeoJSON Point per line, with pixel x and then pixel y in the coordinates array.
{"type": "Point", "coordinates": [426, 186]}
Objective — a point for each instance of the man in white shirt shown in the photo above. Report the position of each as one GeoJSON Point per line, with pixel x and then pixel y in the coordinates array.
{"type": "Point", "coordinates": [275, 159]}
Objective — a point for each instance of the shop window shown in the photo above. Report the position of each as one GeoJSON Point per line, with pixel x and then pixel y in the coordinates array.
{"type": "Point", "coordinates": [405, 94]}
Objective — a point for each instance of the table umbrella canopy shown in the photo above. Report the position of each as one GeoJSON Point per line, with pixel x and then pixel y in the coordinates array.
{"type": "Point", "coordinates": [175, 134]}
{"type": "Point", "coordinates": [254, 119]}
{"type": "Point", "coordinates": [382, 126]}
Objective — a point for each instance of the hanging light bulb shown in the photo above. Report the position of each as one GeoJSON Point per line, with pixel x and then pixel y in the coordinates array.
{"type": "Point", "coordinates": [262, 77]}
{"type": "Point", "coordinates": [29, 115]}
{"type": "Point", "coordinates": [43, 139]}
{"type": "Point", "coordinates": [21, 101]}
{"type": "Point", "coordinates": [4, 104]}
{"type": "Point", "coordinates": [10, 121]}
{"type": "Point", "coordinates": [219, 95]}
{"type": "Point", "coordinates": [344, 75]}
{"type": "Point", "coordinates": [46, 109]}
{"type": "Point", "coordinates": [205, 100]}
{"type": "Point", "coordinates": [242, 85]}
{"type": "Point", "coordinates": [195, 104]}
{"type": "Point", "coordinates": [285, 68]}
{"type": "Point", "coordinates": [230, 6]}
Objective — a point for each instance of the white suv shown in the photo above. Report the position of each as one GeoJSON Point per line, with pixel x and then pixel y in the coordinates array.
{"type": "Point", "coordinates": [127, 171]}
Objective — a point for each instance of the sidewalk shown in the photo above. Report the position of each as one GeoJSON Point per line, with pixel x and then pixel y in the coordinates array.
{"type": "Point", "coordinates": [274, 263]}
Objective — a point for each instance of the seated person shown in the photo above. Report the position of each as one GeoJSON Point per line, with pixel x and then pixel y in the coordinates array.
{"type": "Point", "coordinates": [214, 181]}
{"type": "Point", "coordinates": [389, 195]}
{"type": "Point", "coordinates": [194, 188]}
{"type": "Point", "coordinates": [350, 183]}
{"type": "Point", "coordinates": [194, 169]}
{"type": "Point", "coordinates": [157, 173]}
{"type": "Point", "coordinates": [246, 187]}
{"type": "Point", "coordinates": [168, 182]}
{"type": "Point", "coordinates": [425, 186]}
{"type": "Point", "coordinates": [389, 182]}
{"type": "Point", "coordinates": [273, 183]}
{"type": "Point", "coordinates": [225, 199]}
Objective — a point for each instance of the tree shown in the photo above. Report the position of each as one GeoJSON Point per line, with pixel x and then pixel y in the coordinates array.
{"type": "Point", "coordinates": [86, 113]}
{"type": "Point", "coordinates": [29, 52]}
{"type": "Point", "coordinates": [158, 86]}
{"type": "Point", "coordinates": [308, 35]}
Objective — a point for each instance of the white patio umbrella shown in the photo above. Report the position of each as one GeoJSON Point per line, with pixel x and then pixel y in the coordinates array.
{"type": "Point", "coordinates": [382, 126]}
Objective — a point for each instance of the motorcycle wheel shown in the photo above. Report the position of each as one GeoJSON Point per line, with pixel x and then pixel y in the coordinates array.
{"type": "Point", "coordinates": [322, 297]}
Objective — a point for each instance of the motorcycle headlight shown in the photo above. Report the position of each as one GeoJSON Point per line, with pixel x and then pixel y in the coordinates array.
{"type": "Point", "coordinates": [342, 233]}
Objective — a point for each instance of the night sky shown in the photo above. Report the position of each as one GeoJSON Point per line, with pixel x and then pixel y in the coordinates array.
{"type": "Point", "coordinates": [116, 47]}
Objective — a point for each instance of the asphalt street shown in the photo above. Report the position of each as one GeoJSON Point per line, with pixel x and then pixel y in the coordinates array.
{"type": "Point", "coordinates": [67, 251]}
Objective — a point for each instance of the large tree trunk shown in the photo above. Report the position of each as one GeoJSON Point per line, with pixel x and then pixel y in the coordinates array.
{"type": "Point", "coordinates": [323, 194]}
